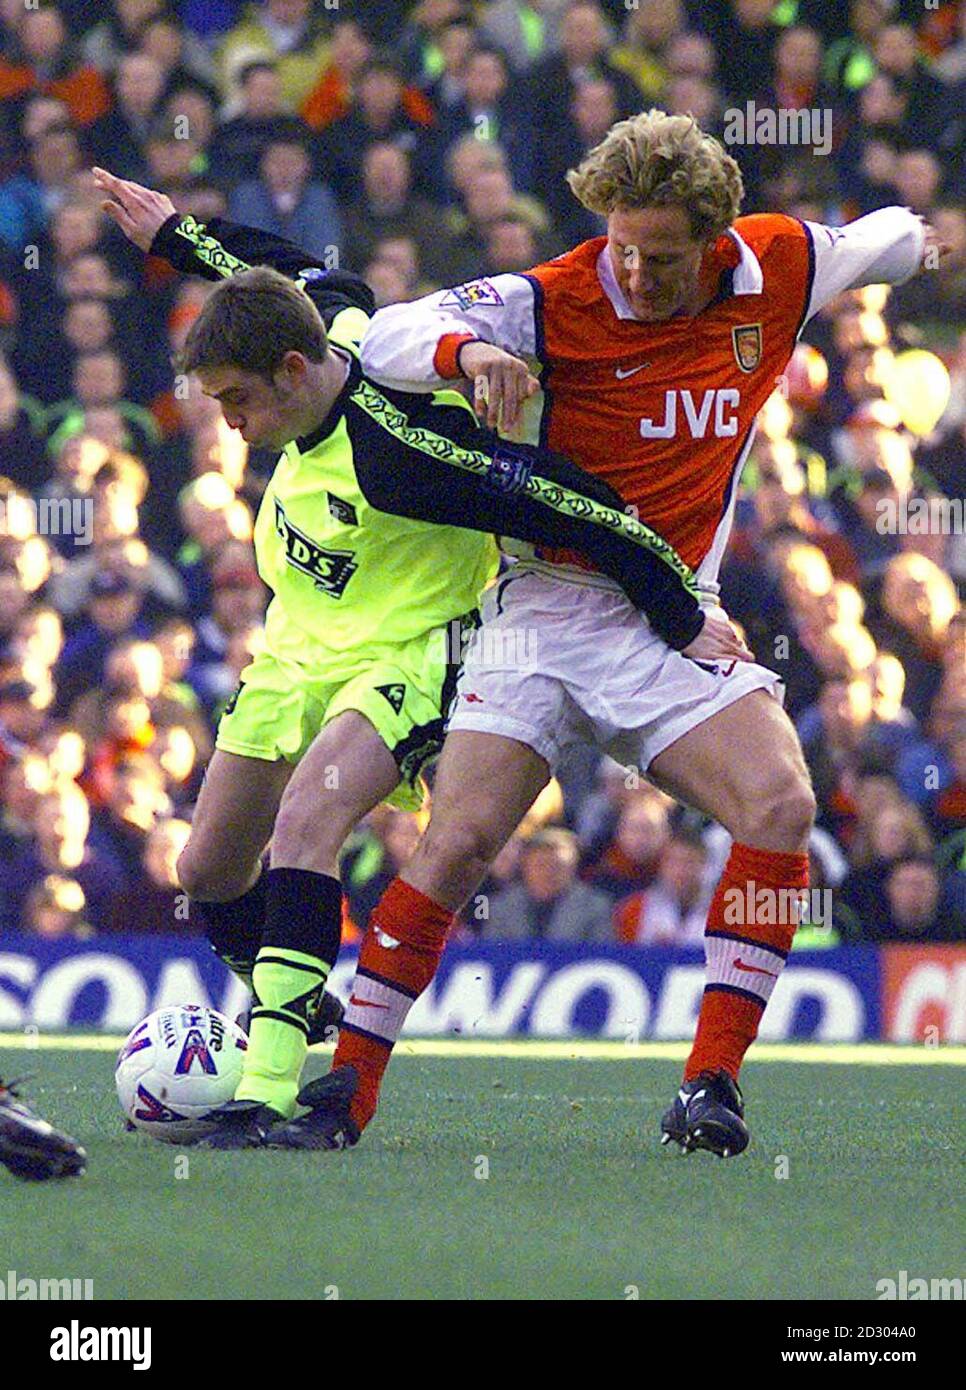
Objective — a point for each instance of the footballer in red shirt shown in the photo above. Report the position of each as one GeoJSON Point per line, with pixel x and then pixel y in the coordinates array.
{"type": "Point", "coordinates": [646, 354]}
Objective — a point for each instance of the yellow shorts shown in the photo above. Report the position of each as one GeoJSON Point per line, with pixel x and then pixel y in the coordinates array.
{"type": "Point", "coordinates": [404, 691]}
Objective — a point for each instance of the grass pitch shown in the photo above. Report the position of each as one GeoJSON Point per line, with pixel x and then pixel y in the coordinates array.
{"type": "Point", "coordinates": [514, 1174]}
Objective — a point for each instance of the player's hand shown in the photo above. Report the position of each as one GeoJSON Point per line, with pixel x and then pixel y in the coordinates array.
{"type": "Point", "coordinates": [718, 641]}
{"type": "Point", "coordinates": [501, 382]}
{"type": "Point", "coordinates": [139, 212]}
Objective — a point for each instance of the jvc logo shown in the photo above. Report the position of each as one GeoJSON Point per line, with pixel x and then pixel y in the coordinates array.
{"type": "Point", "coordinates": [722, 404]}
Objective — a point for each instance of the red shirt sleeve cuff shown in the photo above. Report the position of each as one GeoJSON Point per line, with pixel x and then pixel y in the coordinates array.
{"type": "Point", "coordinates": [445, 362]}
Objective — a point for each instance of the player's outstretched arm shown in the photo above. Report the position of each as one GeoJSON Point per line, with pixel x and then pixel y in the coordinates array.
{"type": "Point", "coordinates": [885, 247]}
{"type": "Point", "coordinates": [219, 248]}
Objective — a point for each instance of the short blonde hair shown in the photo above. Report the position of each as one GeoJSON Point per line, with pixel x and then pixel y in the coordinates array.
{"type": "Point", "coordinates": [657, 160]}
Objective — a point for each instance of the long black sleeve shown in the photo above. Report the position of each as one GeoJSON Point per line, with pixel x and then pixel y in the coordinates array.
{"type": "Point", "coordinates": [219, 249]}
{"type": "Point", "coordinates": [432, 462]}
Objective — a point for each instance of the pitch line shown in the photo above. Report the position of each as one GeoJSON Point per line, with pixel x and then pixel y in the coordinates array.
{"type": "Point", "coordinates": [572, 1050]}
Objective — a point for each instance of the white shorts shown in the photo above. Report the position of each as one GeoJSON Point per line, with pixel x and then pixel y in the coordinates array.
{"type": "Point", "coordinates": [558, 663]}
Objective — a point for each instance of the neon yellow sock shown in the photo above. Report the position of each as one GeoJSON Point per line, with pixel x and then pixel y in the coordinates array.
{"type": "Point", "coordinates": [286, 985]}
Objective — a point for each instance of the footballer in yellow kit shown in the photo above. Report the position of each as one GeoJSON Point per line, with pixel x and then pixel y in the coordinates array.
{"type": "Point", "coordinates": [366, 608]}
{"type": "Point", "coordinates": [375, 536]}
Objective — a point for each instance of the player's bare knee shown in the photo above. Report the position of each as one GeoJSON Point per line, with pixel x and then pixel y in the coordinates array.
{"type": "Point", "coordinates": [205, 880]}
{"type": "Point", "coordinates": [460, 853]}
{"type": "Point", "coordinates": [782, 812]}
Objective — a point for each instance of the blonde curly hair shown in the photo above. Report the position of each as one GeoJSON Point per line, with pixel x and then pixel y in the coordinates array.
{"type": "Point", "coordinates": [657, 160]}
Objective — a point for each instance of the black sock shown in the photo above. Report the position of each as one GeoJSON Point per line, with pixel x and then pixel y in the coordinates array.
{"type": "Point", "coordinates": [303, 912]}
{"type": "Point", "coordinates": [234, 929]}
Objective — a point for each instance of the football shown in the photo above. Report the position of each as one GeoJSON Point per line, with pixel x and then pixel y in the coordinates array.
{"type": "Point", "coordinates": [175, 1067]}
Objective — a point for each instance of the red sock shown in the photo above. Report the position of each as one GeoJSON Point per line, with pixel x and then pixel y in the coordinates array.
{"type": "Point", "coordinates": [400, 954]}
{"type": "Point", "coordinates": [746, 942]}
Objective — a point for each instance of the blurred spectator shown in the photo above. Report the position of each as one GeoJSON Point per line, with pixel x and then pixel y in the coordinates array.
{"type": "Point", "coordinates": [119, 138]}
{"type": "Point", "coordinates": [263, 119]}
{"type": "Point", "coordinates": [674, 910]}
{"type": "Point", "coordinates": [286, 32]}
{"type": "Point", "coordinates": [112, 611]}
{"type": "Point", "coordinates": [550, 903]}
{"type": "Point", "coordinates": [943, 296]}
{"type": "Point", "coordinates": [23, 780]}
{"type": "Point", "coordinates": [920, 904]}
{"type": "Point", "coordinates": [186, 62]}
{"type": "Point", "coordinates": [131, 709]}
{"type": "Point", "coordinates": [23, 457]}
{"type": "Point", "coordinates": [511, 245]}
{"type": "Point", "coordinates": [421, 36]}
{"type": "Point", "coordinates": [335, 88]}
{"type": "Point", "coordinates": [41, 57]}
{"type": "Point", "coordinates": [848, 65]}
{"type": "Point", "coordinates": [885, 835]}
{"type": "Point", "coordinates": [55, 909]}
{"type": "Point", "coordinates": [154, 904]}
{"type": "Point", "coordinates": [388, 207]}
{"type": "Point", "coordinates": [121, 30]}
{"type": "Point", "coordinates": [212, 516]}
{"type": "Point", "coordinates": [490, 110]}
{"type": "Point", "coordinates": [643, 54]}
{"type": "Point", "coordinates": [489, 197]}
{"type": "Point", "coordinates": [135, 801]}
{"type": "Point", "coordinates": [592, 111]}
{"type": "Point", "coordinates": [457, 43]}
{"type": "Point", "coordinates": [897, 54]}
{"type": "Point", "coordinates": [21, 717]}
{"type": "Point", "coordinates": [62, 845]}
{"type": "Point", "coordinates": [583, 56]}
{"type": "Point", "coordinates": [115, 548]}
{"type": "Point", "coordinates": [225, 634]}
{"type": "Point", "coordinates": [950, 66]}
{"type": "Point", "coordinates": [176, 752]}
{"type": "Point", "coordinates": [744, 34]}
{"type": "Point", "coordinates": [630, 861]}
{"type": "Point", "coordinates": [380, 112]}
{"type": "Point", "coordinates": [286, 201]}
{"type": "Point", "coordinates": [525, 30]}
{"type": "Point", "coordinates": [371, 865]}
{"type": "Point", "coordinates": [596, 821]}
{"type": "Point", "coordinates": [29, 199]}
{"type": "Point", "coordinates": [918, 602]}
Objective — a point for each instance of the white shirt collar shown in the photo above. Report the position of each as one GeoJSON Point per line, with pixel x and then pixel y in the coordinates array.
{"type": "Point", "coordinates": [747, 279]}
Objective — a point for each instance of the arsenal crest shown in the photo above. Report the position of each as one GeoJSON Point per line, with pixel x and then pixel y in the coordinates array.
{"type": "Point", "coordinates": [747, 341]}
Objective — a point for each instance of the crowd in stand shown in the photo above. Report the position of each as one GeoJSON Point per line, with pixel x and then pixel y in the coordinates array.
{"type": "Point", "coordinates": [421, 145]}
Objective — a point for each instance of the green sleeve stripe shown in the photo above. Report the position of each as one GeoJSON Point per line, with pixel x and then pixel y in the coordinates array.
{"type": "Point", "coordinates": [209, 250]}
{"type": "Point", "coordinates": [553, 495]}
